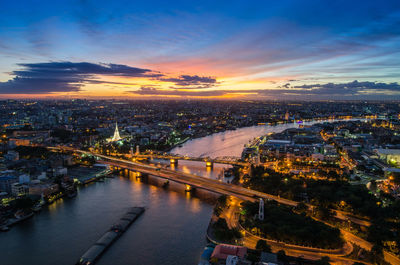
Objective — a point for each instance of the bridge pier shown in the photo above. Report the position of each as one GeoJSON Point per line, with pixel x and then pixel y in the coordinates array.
{"type": "Point", "coordinates": [209, 164]}
{"type": "Point", "coordinates": [117, 169]}
{"type": "Point", "coordinates": [165, 184]}
{"type": "Point", "coordinates": [174, 162]}
{"type": "Point", "coordinates": [142, 176]}
{"type": "Point", "coordinates": [189, 188]}
{"type": "Point", "coordinates": [145, 177]}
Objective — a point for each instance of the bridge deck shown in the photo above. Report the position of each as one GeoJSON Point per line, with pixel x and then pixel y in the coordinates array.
{"type": "Point", "coordinates": [200, 159]}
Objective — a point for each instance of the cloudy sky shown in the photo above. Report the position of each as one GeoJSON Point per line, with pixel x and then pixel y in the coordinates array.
{"type": "Point", "coordinates": [307, 50]}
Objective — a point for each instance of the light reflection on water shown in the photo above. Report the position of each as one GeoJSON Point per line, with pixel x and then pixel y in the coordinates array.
{"type": "Point", "coordinates": [197, 168]}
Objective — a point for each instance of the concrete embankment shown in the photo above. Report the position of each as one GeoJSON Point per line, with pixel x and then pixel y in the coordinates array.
{"type": "Point", "coordinates": [98, 248]}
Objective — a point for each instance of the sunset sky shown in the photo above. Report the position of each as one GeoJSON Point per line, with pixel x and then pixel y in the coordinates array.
{"type": "Point", "coordinates": [308, 50]}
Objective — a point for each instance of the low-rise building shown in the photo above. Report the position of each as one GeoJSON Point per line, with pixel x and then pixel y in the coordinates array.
{"type": "Point", "coordinates": [6, 180]}
{"type": "Point", "coordinates": [43, 188]}
{"type": "Point", "coordinates": [390, 156]}
{"type": "Point", "coordinates": [18, 189]}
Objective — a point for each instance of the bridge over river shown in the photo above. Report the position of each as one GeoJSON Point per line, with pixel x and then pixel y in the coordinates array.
{"type": "Point", "coordinates": [173, 158]}
{"type": "Point", "coordinates": [182, 177]}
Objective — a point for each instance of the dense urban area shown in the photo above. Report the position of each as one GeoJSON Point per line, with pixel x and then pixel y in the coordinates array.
{"type": "Point", "coordinates": [324, 191]}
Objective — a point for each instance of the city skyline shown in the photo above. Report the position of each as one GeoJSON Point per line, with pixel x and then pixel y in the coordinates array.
{"type": "Point", "coordinates": [227, 50]}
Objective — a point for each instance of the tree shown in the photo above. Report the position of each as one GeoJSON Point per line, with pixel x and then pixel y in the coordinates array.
{"type": "Point", "coordinates": [301, 208]}
{"type": "Point", "coordinates": [281, 254]}
{"type": "Point", "coordinates": [222, 231]}
{"type": "Point", "coordinates": [253, 257]}
{"type": "Point", "coordinates": [263, 246]}
{"type": "Point", "coordinates": [222, 200]}
{"type": "Point", "coordinates": [23, 203]}
{"type": "Point", "coordinates": [217, 211]}
{"type": "Point", "coordinates": [323, 213]}
{"type": "Point", "coordinates": [323, 261]}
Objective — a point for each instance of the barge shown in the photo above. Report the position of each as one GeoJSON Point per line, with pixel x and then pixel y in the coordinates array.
{"type": "Point", "coordinates": [116, 230]}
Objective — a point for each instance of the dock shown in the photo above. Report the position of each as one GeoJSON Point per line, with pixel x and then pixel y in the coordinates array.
{"type": "Point", "coordinates": [115, 231]}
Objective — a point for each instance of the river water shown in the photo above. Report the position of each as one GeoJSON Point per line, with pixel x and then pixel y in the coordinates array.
{"type": "Point", "coordinates": [171, 231]}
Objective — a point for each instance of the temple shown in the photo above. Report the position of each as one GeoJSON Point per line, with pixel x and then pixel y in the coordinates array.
{"type": "Point", "coordinates": [116, 137]}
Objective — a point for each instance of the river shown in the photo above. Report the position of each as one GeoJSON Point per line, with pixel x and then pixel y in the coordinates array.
{"type": "Point", "coordinates": [171, 231]}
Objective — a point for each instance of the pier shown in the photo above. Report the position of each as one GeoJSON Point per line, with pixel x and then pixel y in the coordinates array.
{"type": "Point", "coordinates": [101, 245]}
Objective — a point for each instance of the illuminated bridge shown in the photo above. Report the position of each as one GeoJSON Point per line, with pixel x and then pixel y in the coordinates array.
{"type": "Point", "coordinates": [173, 158]}
{"type": "Point", "coordinates": [181, 177]}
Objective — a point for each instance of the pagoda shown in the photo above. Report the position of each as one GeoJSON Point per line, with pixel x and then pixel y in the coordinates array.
{"type": "Point", "coordinates": [116, 137]}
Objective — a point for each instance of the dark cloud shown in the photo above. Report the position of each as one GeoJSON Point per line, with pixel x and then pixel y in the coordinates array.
{"type": "Point", "coordinates": [351, 88]}
{"type": "Point", "coordinates": [39, 78]}
{"type": "Point", "coordinates": [191, 81]}
{"type": "Point", "coordinates": [287, 85]}
{"type": "Point", "coordinates": [83, 68]}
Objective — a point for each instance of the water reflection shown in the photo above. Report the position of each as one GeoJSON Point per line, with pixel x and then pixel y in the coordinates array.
{"type": "Point", "coordinates": [196, 168]}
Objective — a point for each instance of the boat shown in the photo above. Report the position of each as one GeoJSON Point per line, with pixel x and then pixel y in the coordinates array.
{"type": "Point", "coordinates": [4, 228]}
{"type": "Point", "coordinates": [19, 217]}
{"type": "Point", "coordinates": [72, 194]}
{"type": "Point", "coordinates": [37, 207]}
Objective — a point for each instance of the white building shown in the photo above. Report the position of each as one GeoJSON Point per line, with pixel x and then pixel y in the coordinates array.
{"type": "Point", "coordinates": [19, 189]}
{"type": "Point", "coordinates": [390, 156]}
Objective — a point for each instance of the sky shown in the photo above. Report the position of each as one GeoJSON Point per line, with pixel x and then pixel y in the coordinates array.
{"type": "Point", "coordinates": [266, 50]}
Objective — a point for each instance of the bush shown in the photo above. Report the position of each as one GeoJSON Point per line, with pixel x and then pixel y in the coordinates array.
{"type": "Point", "coordinates": [323, 261]}
{"type": "Point", "coordinates": [281, 254]}
{"type": "Point", "coordinates": [217, 211]}
{"type": "Point", "coordinates": [263, 246]}
{"type": "Point", "coordinates": [222, 201]}
{"type": "Point", "coordinates": [223, 233]}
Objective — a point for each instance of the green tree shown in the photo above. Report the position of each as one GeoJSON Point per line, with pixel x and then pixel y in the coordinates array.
{"type": "Point", "coordinates": [263, 246]}
{"type": "Point", "coordinates": [281, 254]}
{"type": "Point", "coordinates": [322, 213]}
{"type": "Point", "coordinates": [323, 261]}
{"type": "Point", "coordinates": [24, 203]}
{"type": "Point", "coordinates": [253, 257]}
{"type": "Point", "coordinates": [222, 200]}
{"type": "Point", "coordinates": [301, 207]}
{"type": "Point", "coordinates": [217, 211]}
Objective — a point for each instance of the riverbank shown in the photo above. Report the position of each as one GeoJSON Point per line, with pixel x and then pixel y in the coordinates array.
{"type": "Point", "coordinates": [82, 178]}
